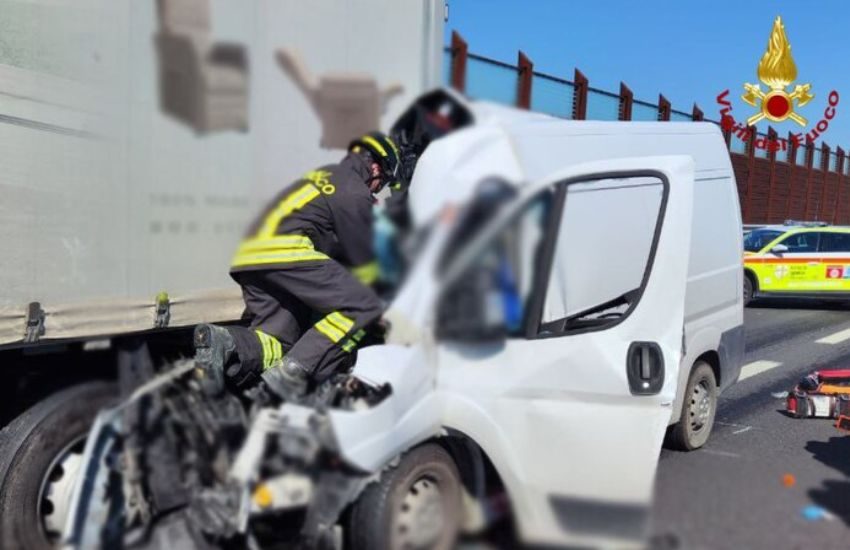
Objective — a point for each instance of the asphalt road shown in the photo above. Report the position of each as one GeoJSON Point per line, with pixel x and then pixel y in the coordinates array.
{"type": "Point", "coordinates": [730, 494]}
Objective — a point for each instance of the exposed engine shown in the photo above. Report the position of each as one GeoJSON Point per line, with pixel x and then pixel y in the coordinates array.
{"type": "Point", "coordinates": [180, 467]}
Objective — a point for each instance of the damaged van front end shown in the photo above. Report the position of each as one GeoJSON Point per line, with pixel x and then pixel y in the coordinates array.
{"type": "Point", "coordinates": [225, 474]}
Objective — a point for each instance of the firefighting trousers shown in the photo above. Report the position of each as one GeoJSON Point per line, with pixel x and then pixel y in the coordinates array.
{"type": "Point", "coordinates": [314, 313]}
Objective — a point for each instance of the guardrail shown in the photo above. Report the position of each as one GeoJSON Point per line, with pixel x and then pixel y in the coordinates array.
{"type": "Point", "coordinates": [804, 182]}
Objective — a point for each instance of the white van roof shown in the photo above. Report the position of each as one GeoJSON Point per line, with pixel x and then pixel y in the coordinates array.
{"type": "Point", "coordinates": [521, 146]}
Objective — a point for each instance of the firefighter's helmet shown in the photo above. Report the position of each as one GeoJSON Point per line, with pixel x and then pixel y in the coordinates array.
{"type": "Point", "coordinates": [383, 151]}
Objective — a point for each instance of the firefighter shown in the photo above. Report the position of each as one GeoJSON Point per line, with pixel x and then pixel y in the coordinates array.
{"type": "Point", "coordinates": [304, 268]}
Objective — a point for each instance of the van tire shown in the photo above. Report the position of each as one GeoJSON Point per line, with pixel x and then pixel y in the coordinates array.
{"type": "Point", "coordinates": [699, 408]}
{"type": "Point", "coordinates": [749, 288]}
{"type": "Point", "coordinates": [28, 447]}
{"type": "Point", "coordinates": [427, 474]}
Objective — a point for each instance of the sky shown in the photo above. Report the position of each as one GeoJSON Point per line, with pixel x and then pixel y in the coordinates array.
{"type": "Point", "coordinates": [689, 51]}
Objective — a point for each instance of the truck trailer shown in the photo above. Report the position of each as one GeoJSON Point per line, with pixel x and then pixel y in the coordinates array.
{"type": "Point", "coordinates": [137, 140]}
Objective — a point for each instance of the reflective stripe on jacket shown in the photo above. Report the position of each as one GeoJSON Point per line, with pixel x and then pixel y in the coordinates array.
{"type": "Point", "coordinates": [325, 215]}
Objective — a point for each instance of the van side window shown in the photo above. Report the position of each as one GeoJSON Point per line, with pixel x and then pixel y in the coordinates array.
{"type": "Point", "coordinates": [495, 293]}
{"type": "Point", "coordinates": [517, 254]}
{"type": "Point", "coordinates": [835, 242]}
{"type": "Point", "coordinates": [602, 252]}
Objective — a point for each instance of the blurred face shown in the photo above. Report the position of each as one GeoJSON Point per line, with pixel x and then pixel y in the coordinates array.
{"type": "Point", "coordinates": [375, 184]}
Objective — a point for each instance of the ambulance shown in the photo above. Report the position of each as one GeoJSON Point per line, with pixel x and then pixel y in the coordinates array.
{"type": "Point", "coordinates": [797, 259]}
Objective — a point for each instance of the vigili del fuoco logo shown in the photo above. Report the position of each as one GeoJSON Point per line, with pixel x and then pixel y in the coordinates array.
{"type": "Point", "coordinates": [777, 71]}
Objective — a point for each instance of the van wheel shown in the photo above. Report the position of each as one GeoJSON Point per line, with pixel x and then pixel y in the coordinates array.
{"type": "Point", "coordinates": [40, 456]}
{"type": "Point", "coordinates": [698, 410]}
{"type": "Point", "coordinates": [748, 289]}
{"type": "Point", "coordinates": [416, 504]}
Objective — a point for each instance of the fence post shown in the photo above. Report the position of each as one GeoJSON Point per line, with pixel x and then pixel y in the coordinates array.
{"type": "Point", "coordinates": [751, 164]}
{"type": "Point", "coordinates": [580, 96]}
{"type": "Point", "coordinates": [523, 91]}
{"type": "Point", "coordinates": [663, 108]}
{"type": "Point", "coordinates": [627, 99]}
{"type": "Point", "coordinates": [771, 156]}
{"type": "Point", "coordinates": [839, 167]}
{"type": "Point", "coordinates": [824, 172]}
{"type": "Point", "coordinates": [727, 136]}
{"type": "Point", "coordinates": [810, 157]}
{"type": "Point", "coordinates": [459, 51]}
{"type": "Point", "coordinates": [792, 166]}
{"type": "Point", "coordinates": [697, 114]}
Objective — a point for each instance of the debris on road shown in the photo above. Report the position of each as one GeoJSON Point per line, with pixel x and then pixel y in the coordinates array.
{"type": "Point", "coordinates": [815, 513]}
{"type": "Point", "coordinates": [666, 541]}
{"type": "Point", "coordinates": [821, 394]}
{"type": "Point", "coordinates": [788, 480]}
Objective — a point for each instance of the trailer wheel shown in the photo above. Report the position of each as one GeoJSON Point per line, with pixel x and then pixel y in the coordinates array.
{"type": "Point", "coordinates": [416, 504]}
{"type": "Point", "coordinates": [40, 455]}
{"type": "Point", "coordinates": [698, 410]}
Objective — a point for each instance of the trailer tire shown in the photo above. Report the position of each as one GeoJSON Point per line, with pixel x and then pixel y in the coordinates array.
{"type": "Point", "coordinates": [29, 448]}
{"type": "Point", "coordinates": [699, 408]}
{"type": "Point", "coordinates": [415, 504]}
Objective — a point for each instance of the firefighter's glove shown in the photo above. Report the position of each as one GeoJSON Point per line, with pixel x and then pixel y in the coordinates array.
{"type": "Point", "coordinates": [288, 379]}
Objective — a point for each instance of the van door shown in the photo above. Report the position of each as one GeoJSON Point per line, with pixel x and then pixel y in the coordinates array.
{"type": "Point", "coordinates": [573, 405]}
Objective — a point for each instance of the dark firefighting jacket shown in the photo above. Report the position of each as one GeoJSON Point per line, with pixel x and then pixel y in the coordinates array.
{"type": "Point", "coordinates": [325, 215]}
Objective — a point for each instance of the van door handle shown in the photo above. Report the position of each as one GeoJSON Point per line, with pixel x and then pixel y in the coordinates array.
{"type": "Point", "coordinates": [645, 368]}
{"type": "Point", "coordinates": [814, 263]}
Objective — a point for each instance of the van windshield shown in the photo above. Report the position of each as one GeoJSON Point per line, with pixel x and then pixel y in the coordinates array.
{"type": "Point", "coordinates": [759, 238]}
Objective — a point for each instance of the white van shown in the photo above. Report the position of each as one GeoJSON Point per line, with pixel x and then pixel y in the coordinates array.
{"type": "Point", "coordinates": [571, 281]}
{"type": "Point", "coordinates": [522, 147]}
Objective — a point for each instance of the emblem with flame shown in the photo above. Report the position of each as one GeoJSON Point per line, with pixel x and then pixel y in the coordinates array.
{"type": "Point", "coordinates": [777, 70]}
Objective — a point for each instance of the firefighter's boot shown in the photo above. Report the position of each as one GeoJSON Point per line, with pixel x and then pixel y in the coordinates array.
{"type": "Point", "coordinates": [287, 379]}
{"type": "Point", "coordinates": [214, 347]}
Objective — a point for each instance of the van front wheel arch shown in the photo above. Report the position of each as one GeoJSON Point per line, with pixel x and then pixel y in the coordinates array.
{"type": "Point", "coordinates": [698, 410]}
{"type": "Point", "coordinates": [416, 504]}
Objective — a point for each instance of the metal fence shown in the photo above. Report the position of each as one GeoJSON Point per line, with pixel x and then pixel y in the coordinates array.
{"type": "Point", "coordinates": [806, 181]}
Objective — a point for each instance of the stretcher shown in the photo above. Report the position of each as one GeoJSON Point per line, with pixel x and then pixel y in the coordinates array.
{"type": "Point", "coordinates": [821, 394]}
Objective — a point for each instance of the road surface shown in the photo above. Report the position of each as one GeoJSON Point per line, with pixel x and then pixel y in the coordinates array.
{"type": "Point", "coordinates": [730, 494]}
